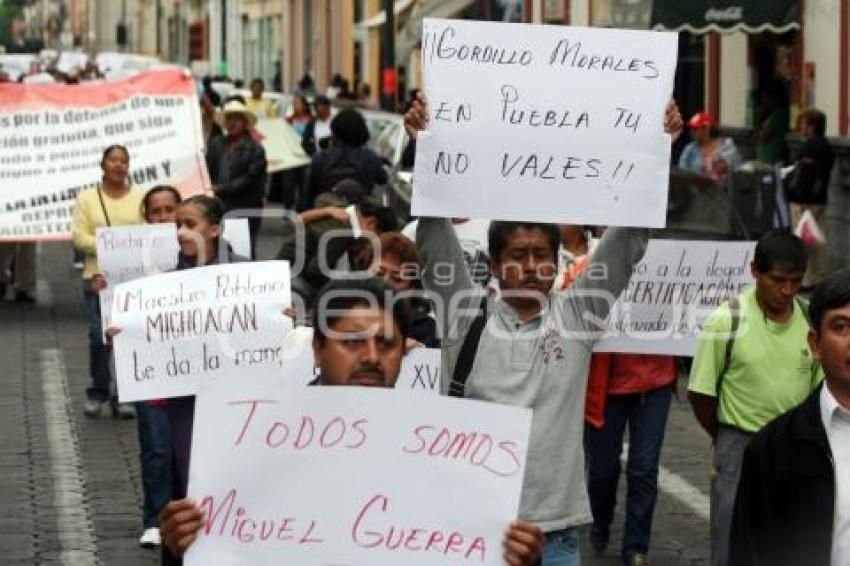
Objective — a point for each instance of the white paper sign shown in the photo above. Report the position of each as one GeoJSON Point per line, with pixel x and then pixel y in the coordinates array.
{"type": "Point", "coordinates": [544, 123]}
{"type": "Point", "coordinates": [125, 253]}
{"type": "Point", "coordinates": [181, 328]}
{"type": "Point", "coordinates": [676, 286]}
{"type": "Point", "coordinates": [356, 476]}
{"type": "Point", "coordinates": [238, 235]}
{"type": "Point", "coordinates": [420, 370]}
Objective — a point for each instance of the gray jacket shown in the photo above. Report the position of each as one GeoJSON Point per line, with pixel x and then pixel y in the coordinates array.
{"type": "Point", "coordinates": [541, 364]}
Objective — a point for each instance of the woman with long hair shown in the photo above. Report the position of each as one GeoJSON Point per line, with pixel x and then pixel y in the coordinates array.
{"type": "Point", "coordinates": [112, 203]}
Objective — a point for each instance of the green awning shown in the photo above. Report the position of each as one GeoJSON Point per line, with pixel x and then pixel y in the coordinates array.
{"type": "Point", "coordinates": [751, 16]}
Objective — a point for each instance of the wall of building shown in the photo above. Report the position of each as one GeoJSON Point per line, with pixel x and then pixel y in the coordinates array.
{"type": "Point", "coordinates": [735, 82]}
{"type": "Point", "coordinates": [820, 46]}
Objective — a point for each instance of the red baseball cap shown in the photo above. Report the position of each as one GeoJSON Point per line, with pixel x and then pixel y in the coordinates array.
{"type": "Point", "coordinates": [701, 120]}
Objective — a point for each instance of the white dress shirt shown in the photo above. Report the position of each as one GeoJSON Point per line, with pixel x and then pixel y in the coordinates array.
{"type": "Point", "coordinates": [836, 421]}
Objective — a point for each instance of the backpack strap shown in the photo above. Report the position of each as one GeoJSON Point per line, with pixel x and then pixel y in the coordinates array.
{"type": "Point", "coordinates": [735, 312]}
{"type": "Point", "coordinates": [463, 365]}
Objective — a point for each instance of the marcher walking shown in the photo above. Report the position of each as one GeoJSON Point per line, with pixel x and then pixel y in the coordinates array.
{"type": "Point", "coordinates": [112, 203]}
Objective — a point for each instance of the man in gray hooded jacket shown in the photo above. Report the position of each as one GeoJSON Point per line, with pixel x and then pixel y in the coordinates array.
{"type": "Point", "coordinates": [534, 347]}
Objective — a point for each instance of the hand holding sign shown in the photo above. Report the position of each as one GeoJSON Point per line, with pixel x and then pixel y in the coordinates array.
{"type": "Point", "coordinates": [416, 118]}
{"type": "Point", "coordinates": [180, 328]}
{"type": "Point", "coordinates": [299, 463]}
{"type": "Point", "coordinates": [182, 520]}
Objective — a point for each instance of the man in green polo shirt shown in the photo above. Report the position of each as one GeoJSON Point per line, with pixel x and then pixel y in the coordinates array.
{"type": "Point", "coordinates": [744, 378]}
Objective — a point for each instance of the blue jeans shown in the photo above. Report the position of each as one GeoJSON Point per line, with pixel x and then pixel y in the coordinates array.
{"type": "Point", "coordinates": [646, 415]}
{"type": "Point", "coordinates": [101, 377]}
{"type": "Point", "coordinates": [562, 548]}
{"type": "Point", "coordinates": [155, 459]}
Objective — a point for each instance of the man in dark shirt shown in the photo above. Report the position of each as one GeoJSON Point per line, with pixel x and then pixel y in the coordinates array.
{"type": "Point", "coordinates": [348, 157]}
{"type": "Point", "coordinates": [809, 185]}
{"type": "Point", "coordinates": [237, 167]}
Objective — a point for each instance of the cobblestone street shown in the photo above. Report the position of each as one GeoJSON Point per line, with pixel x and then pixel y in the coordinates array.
{"type": "Point", "coordinates": [69, 486]}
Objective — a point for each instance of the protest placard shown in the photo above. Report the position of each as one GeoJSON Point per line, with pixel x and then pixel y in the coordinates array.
{"type": "Point", "coordinates": [672, 291]}
{"type": "Point", "coordinates": [420, 370]}
{"type": "Point", "coordinates": [52, 137]}
{"type": "Point", "coordinates": [348, 475]}
{"type": "Point", "coordinates": [544, 123]}
{"type": "Point", "coordinates": [184, 327]}
{"type": "Point", "coordinates": [282, 145]}
{"type": "Point", "coordinates": [125, 253]}
{"type": "Point", "coordinates": [238, 235]}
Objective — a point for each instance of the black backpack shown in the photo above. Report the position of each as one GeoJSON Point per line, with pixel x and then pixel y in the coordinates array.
{"type": "Point", "coordinates": [342, 165]}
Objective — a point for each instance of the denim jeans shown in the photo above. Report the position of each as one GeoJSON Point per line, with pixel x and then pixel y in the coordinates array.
{"type": "Point", "coordinates": [729, 446]}
{"type": "Point", "coordinates": [562, 548]}
{"type": "Point", "coordinates": [101, 376]}
{"type": "Point", "coordinates": [646, 416]}
{"type": "Point", "coordinates": [155, 459]}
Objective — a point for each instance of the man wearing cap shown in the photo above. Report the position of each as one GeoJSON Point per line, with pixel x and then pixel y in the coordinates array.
{"type": "Point", "coordinates": [709, 154]}
{"type": "Point", "coordinates": [237, 166]}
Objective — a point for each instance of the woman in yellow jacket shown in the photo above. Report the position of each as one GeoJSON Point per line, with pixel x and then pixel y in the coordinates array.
{"type": "Point", "coordinates": [112, 203]}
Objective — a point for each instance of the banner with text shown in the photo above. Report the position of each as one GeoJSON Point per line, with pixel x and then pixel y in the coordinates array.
{"type": "Point", "coordinates": [181, 328]}
{"type": "Point", "coordinates": [125, 253]}
{"type": "Point", "coordinates": [350, 475]}
{"type": "Point", "coordinates": [52, 138]}
{"type": "Point", "coordinates": [544, 123]}
{"type": "Point", "coordinates": [676, 286]}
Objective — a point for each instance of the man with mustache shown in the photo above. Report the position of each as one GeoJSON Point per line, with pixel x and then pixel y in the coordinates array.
{"type": "Point", "coordinates": [530, 348]}
{"type": "Point", "coordinates": [360, 327]}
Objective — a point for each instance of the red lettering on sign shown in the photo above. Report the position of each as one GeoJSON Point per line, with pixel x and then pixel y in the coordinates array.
{"type": "Point", "coordinates": [368, 532]}
{"type": "Point", "coordinates": [477, 449]}
{"type": "Point", "coordinates": [250, 416]}
{"type": "Point", "coordinates": [357, 426]}
{"type": "Point", "coordinates": [307, 536]}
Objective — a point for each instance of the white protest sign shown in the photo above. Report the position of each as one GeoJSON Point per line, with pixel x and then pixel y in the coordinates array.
{"type": "Point", "coordinates": [676, 286]}
{"type": "Point", "coordinates": [544, 123]}
{"type": "Point", "coordinates": [349, 475]}
{"type": "Point", "coordinates": [52, 137]}
{"type": "Point", "coordinates": [238, 235]}
{"type": "Point", "coordinates": [184, 327]}
{"type": "Point", "coordinates": [125, 253]}
{"type": "Point", "coordinates": [282, 145]}
{"type": "Point", "coordinates": [420, 370]}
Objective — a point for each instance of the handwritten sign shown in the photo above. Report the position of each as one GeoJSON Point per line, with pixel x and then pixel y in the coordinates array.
{"type": "Point", "coordinates": [238, 235]}
{"type": "Point", "coordinates": [544, 123]}
{"type": "Point", "coordinates": [181, 328]}
{"type": "Point", "coordinates": [420, 370]}
{"type": "Point", "coordinates": [125, 253]}
{"type": "Point", "coordinates": [53, 135]}
{"type": "Point", "coordinates": [349, 475]}
{"type": "Point", "coordinates": [676, 286]}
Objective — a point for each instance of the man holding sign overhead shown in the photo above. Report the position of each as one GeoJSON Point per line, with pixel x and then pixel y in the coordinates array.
{"type": "Point", "coordinates": [556, 159]}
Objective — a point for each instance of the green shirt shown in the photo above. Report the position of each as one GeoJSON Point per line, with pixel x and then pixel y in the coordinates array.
{"type": "Point", "coordinates": [771, 371]}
